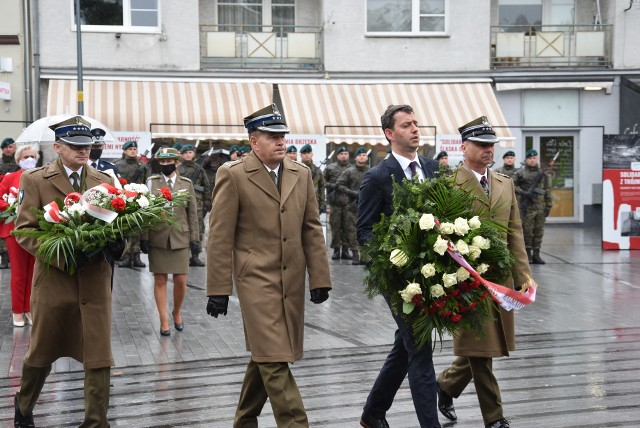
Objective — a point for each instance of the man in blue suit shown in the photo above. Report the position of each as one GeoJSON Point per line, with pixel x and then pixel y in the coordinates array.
{"type": "Point", "coordinates": [401, 130]}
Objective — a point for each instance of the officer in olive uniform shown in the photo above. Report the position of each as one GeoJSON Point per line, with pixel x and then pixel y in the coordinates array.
{"type": "Point", "coordinates": [338, 212]}
{"type": "Point", "coordinates": [292, 153]}
{"type": "Point", "coordinates": [96, 153]}
{"type": "Point", "coordinates": [306, 156]}
{"type": "Point", "coordinates": [134, 171]}
{"type": "Point", "coordinates": [7, 165]}
{"type": "Point", "coordinates": [348, 189]}
{"type": "Point", "coordinates": [509, 164]}
{"type": "Point", "coordinates": [533, 187]}
{"type": "Point", "coordinates": [188, 168]}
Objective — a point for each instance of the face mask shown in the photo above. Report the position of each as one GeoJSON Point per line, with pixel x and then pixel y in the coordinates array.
{"type": "Point", "coordinates": [167, 170]}
{"type": "Point", "coordinates": [28, 163]}
{"type": "Point", "coordinates": [95, 154]}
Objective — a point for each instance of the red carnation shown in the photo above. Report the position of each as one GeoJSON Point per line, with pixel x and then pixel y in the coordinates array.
{"type": "Point", "coordinates": [446, 313]}
{"type": "Point", "coordinates": [417, 299]}
{"type": "Point", "coordinates": [113, 190]}
{"type": "Point", "coordinates": [123, 181]}
{"type": "Point", "coordinates": [472, 305]}
{"type": "Point", "coordinates": [166, 193]}
{"type": "Point", "coordinates": [456, 318]}
{"type": "Point", "coordinates": [438, 304]}
{"type": "Point", "coordinates": [118, 204]}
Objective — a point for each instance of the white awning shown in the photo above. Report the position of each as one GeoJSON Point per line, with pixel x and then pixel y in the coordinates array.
{"type": "Point", "coordinates": [350, 113]}
{"type": "Point", "coordinates": [165, 108]}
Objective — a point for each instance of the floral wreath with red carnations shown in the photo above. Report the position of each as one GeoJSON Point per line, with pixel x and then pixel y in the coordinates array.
{"type": "Point", "coordinates": [415, 255]}
{"type": "Point", "coordinates": [104, 214]}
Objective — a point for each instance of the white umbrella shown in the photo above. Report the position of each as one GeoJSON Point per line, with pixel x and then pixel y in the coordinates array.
{"type": "Point", "coordinates": [40, 133]}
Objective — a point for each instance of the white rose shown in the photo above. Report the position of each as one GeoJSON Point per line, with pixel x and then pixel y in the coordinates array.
{"type": "Point", "coordinates": [437, 291]}
{"type": "Point", "coordinates": [474, 252]}
{"type": "Point", "coordinates": [462, 274]}
{"type": "Point", "coordinates": [440, 246]}
{"type": "Point", "coordinates": [427, 221]}
{"type": "Point", "coordinates": [481, 242]}
{"type": "Point", "coordinates": [449, 279]}
{"type": "Point", "coordinates": [410, 290]}
{"type": "Point", "coordinates": [398, 257]}
{"type": "Point", "coordinates": [143, 201]}
{"type": "Point", "coordinates": [482, 268]}
{"type": "Point", "coordinates": [474, 222]}
{"type": "Point", "coordinates": [136, 187]}
{"type": "Point", "coordinates": [461, 226]}
{"type": "Point", "coordinates": [462, 247]}
{"type": "Point", "coordinates": [76, 209]}
{"type": "Point", "coordinates": [428, 270]}
{"type": "Point", "coordinates": [447, 228]}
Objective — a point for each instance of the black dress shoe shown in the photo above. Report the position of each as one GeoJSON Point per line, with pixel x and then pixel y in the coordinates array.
{"type": "Point", "coordinates": [445, 404]}
{"type": "Point", "coordinates": [179, 326]}
{"type": "Point", "coordinates": [368, 421]}
{"type": "Point", "coordinates": [20, 421]}
{"type": "Point", "coordinates": [502, 423]}
{"type": "Point", "coordinates": [165, 332]}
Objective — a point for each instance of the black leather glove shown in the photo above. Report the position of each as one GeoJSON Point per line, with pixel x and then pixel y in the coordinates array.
{"type": "Point", "coordinates": [115, 249]}
{"type": "Point", "coordinates": [195, 246]}
{"type": "Point", "coordinates": [547, 210]}
{"type": "Point", "coordinates": [217, 305]}
{"type": "Point", "coordinates": [319, 295]}
{"type": "Point", "coordinates": [144, 246]}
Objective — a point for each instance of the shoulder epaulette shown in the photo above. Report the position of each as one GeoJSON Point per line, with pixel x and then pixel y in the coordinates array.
{"type": "Point", "coordinates": [503, 175]}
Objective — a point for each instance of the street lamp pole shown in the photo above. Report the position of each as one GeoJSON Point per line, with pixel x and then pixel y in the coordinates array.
{"type": "Point", "coordinates": [79, 51]}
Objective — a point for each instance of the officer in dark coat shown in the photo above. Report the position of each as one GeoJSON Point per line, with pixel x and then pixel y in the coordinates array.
{"type": "Point", "coordinates": [96, 153]}
{"type": "Point", "coordinates": [133, 171]}
{"type": "Point", "coordinates": [188, 168]}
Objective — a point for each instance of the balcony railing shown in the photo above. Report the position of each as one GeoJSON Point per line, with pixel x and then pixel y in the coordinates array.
{"type": "Point", "coordinates": [551, 46]}
{"type": "Point", "coordinates": [259, 46]}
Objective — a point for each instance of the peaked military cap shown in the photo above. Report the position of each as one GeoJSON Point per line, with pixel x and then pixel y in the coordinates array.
{"type": "Point", "coordinates": [292, 149]}
{"type": "Point", "coordinates": [509, 153]}
{"type": "Point", "coordinates": [361, 150]}
{"type": "Point", "coordinates": [75, 131]}
{"type": "Point", "coordinates": [186, 148]}
{"type": "Point", "coordinates": [98, 135]}
{"type": "Point", "coordinates": [478, 130]}
{"type": "Point", "coordinates": [306, 148]}
{"type": "Point", "coordinates": [530, 153]}
{"type": "Point", "coordinates": [267, 119]}
{"type": "Point", "coordinates": [168, 153]}
{"type": "Point", "coordinates": [7, 141]}
{"type": "Point", "coordinates": [129, 144]}
{"type": "Point", "coordinates": [341, 149]}
{"type": "Point", "coordinates": [441, 155]}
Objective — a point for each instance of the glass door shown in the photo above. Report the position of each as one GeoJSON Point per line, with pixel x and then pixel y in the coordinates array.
{"type": "Point", "coordinates": [556, 154]}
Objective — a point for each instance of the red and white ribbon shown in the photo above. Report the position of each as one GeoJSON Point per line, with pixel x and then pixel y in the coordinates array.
{"type": "Point", "coordinates": [52, 213]}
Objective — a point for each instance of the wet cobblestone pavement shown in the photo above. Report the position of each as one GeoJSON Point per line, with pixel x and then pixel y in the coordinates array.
{"type": "Point", "coordinates": [577, 362]}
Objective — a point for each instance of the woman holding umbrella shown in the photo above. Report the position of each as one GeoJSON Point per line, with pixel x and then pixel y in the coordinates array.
{"type": "Point", "coordinates": [21, 261]}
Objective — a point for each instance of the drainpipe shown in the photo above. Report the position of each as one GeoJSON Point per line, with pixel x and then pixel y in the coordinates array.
{"type": "Point", "coordinates": [35, 39]}
{"type": "Point", "coordinates": [27, 61]}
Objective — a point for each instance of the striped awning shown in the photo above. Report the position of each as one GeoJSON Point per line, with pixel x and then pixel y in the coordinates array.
{"type": "Point", "coordinates": [165, 108]}
{"type": "Point", "coordinates": [350, 113]}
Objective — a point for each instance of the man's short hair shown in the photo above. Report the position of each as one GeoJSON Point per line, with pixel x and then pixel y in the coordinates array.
{"type": "Point", "coordinates": [388, 119]}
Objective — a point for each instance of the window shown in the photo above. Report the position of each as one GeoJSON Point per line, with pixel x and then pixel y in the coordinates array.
{"type": "Point", "coordinates": [524, 14]}
{"type": "Point", "coordinates": [121, 15]}
{"type": "Point", "coordinates": [422, 17]}
{"type": "Point", "coordinates": [252, 15]}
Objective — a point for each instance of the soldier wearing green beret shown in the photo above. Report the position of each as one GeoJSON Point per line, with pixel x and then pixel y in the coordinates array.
{"type": "Point", "coordinates": [348, 187]}
{"type": "Point", "coordinates": [190, 169]}
{"type": "Point", "coordinates": [234, 152]}
{"type": "Point", "coordinates": [306, 156]}
{"type": "Point", "coordinates": [533, 188]}
{"type": "Point", "coordinates": [292, 152]}
{"type": "Point", "coordinates": [134, 171]}
{"type": "Point", "coordinates": [508, 167]}
{"type": "Point", "coordinates": [338, 212]}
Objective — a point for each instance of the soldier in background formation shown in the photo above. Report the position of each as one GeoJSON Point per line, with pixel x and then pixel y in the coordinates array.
{"type": "Point", "coordinates": [7, 165]}
{"type": "Point", "coordinates": [306, 156]}
{"type": "Point", "coordinates": [134, 171]}
{"type": "Point", "coordinates": [443, 158]}
{"type": "Point", "coordinates": [234, 152]}
{"type": "Point", "coordinates": [188, 168]}
{"type": "Point", "coordinates": [96, 153]}
{"type": "Point", "coordinates": [292, 153]}
{"type": "Point", "coordinates": [338, 212]}
{"type": "Point", "coordinates": [348, 190]}
{"type": "Point", "coordinates": [533, 188]}
{"type": "Point", "coordinates": [508, 167]}
{"type": "Point", "coordinates": [211, 164]}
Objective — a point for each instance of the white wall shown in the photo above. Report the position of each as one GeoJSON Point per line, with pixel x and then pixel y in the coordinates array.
{"type": "Point", "coordinates": [180, 51]}
{"type": "Point", "coordinates": [626, 49]}
{"type": "Point", "coordinates": [348, 49]}
{"type": "Point", "coordinates": [11, 24]}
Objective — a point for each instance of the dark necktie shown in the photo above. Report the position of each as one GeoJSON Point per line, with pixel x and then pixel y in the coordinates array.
{"type": "Point", "coordinates": [170, 183]}
{"type": "Point", "coordinates": [274, 177]}
{"type": "Point", "coordinates": [94, 164]}
{"type": "Point", "coordinates": [413, 166]}
{"type": "Point", "coordinates": [75, 181]}
{"type": "Point", "coordinates": [484, 184]}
